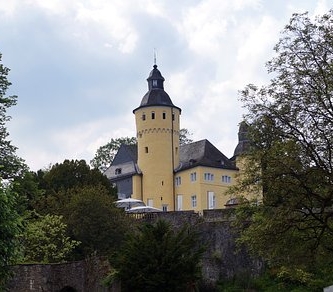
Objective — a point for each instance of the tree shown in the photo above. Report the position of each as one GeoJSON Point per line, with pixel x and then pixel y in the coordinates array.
{"type": "Point", "coordinates": [10, 164]}
{"type": "Point", "coordinates": [10, 228]}
{"type": "Point", "coordinates": [29, 192]}
{"type": "Point", "coordinates": [57, 182]}
{"type": "Point", "coordinates": [159, 258]}
{"type": "Point", "coordinates": [105, 154]}
{"type": "Point", "coordinates": [45, 240]}
{"type": "Point", "coordinates": [94, 220]}
{"type": "Point", "coordinates": [184, 137]}
{"type": "Point", "coordinates": [291, 159]}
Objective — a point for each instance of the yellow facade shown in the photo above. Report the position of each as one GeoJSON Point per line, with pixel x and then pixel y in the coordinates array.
{"type": "Point", "coordinates": [162, 181]}
{"type": "Point", "coordinates": [202, 188]}
{"type": "Point", "coordinates": [158, 153]}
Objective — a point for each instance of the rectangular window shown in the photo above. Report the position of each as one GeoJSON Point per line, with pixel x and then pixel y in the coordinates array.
{"type": "Point", "coordinates": [208, 176]}
{"type": "Point", "coordinates": [194, 201]}
{"type": "Point", "coordinates": [226, 179]}
{"type": "Point", "coordinates": [211, 200]}
{"type": "Point", "coordinates": [143, 117]}
{"type": "Point", "coordinates": [164, 116]}
{"type": "Point", "coordinates": [146, 149]}
{"type": "Point", "coordinates": [193, 176]}
{"type": "Point", "coordinates": [150, 202]}
{"type": "Point", "coordinates": [165, 208]}
{"type": "Point", "coordinates": [179, 202]}
{"type": "Point", "coordinates": [178, 181]}
{"type": "Point", "coordinates": [153, 115]}
{"type": "Point", "coordinates": [173, 116]}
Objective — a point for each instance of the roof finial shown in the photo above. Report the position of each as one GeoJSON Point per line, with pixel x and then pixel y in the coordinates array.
{"type": "Point", "coordinates": [155, 53]}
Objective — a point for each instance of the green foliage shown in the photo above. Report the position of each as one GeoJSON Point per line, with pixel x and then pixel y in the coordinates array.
{"type": "Point", "coordinates": [57, 183]}
{"type": "Point", "coordinates": [29, 193]}
{"type": "Point", "coordinates": [290, 160]}
{"type": "Point", "coordinates": [10, 228]}
{"type": "Point", "coordinates": [45, 240]}
{"type": "Point", "coordinates": [184, 137]}
{"type": "Point", "coordinates": [159, 258]}
{"type": "Point", "coordinates": [10, 164]}
{"type": "Point", "coordinates": [94, 220]}
{"type": "Point", "coordinates": [106, 153]}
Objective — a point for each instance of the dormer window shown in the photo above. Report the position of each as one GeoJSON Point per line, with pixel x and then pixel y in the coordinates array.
{"type": "Point", "coordinates": [117, 171]}
{"type": "Point", "coordinates": [154, 83]}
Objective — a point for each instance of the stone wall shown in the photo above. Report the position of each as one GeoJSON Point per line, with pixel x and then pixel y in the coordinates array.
{"type": "Point", "coordinates": [221, 260]}
{"type": "Point", "coordinates": [80, 276]}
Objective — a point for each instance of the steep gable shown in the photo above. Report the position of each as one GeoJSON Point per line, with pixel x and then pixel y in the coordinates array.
{"type": "Point", "coordinates": [124, 163]}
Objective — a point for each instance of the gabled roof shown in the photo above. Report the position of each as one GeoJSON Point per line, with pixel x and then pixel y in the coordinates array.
{"type": "Point", "coordinates": [126, 153]}
{"type": "Point", "coordinates": [124, 163]}
{"type": "Point", "coordinates": [203, 153]}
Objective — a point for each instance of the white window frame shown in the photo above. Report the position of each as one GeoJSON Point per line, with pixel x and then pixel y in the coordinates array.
{"type": "Point", "coordinates": [194, 201]}
{"type": "Point", "coordinates": [211, 200]}
{"type": "Point", "coordinates": [150, 202]}
{"type": "Point", "coordinates": [178, 181]}
{"type": "Point", "coordinates": [179, 202]}
{"type": "Point", "coordinates": [208, 176]}
{"type": "Point", "coordinates": [193, 176]}
{"type": "Point", "coordinates": [226, 179]}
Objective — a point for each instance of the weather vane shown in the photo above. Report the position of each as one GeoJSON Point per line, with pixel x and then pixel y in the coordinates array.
{"type": "Point", "coordinates": [155, 53]}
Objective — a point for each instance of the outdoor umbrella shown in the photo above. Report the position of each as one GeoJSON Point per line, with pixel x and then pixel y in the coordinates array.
{"type": "Point", "coordinates": [129, 203]}
{"type": "Point", "coordinates": [143, 209]}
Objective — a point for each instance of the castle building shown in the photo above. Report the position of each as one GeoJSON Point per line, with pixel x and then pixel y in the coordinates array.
{"type": "Point", "coordinates": [162, 173]}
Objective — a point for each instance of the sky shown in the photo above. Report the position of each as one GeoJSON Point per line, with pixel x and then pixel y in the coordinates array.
{"type": "Point", "coordinates": [79, 67]}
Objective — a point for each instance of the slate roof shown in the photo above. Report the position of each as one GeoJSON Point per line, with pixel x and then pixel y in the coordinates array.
{"type": "Point", "coordinates": [125, 160]}
{"type": "Point", "coordinates": [126, 153]}
{"type": "Point", "coordinates": [156, 96]}
{"type": "Point", "coordinates": [243, 141]}
{"type": "Point", "coordinates": [203, 153]}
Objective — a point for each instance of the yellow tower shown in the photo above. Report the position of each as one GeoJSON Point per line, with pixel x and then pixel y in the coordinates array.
{"type": "Point", "coordinates": [157, 130]}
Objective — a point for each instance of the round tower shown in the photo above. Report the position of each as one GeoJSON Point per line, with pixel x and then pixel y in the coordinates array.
{"type": "Point", "coordinates": [157, 128]}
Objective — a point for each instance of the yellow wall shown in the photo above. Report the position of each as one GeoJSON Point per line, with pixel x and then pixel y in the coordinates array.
{"type": "Point", "coordinates": [158, 153]}
{"type": "Point", "coordinates": [253, 193]}
{"type": "Point", "coordinates": [201, 187]}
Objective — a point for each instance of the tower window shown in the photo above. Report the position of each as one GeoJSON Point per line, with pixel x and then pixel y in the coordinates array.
{"type": "Point", "coordinates": [164, 116]}
{"type": "Point", "coordinates": [143, 117]}
{"type": "Point", "coordinates": [146, 149]}
{"type": "Point", "coordinates": [154, 83]}
{"type": "Point", "coordinates": [173, 116]}
{"type": "Point", "coordinates": [152, 115]}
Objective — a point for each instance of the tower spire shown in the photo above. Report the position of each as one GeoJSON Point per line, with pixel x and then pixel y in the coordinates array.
{"type": "Point", "coordinates": [155, 53]}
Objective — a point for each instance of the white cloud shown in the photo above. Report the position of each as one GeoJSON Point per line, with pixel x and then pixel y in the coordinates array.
{"type": "Point", "coordinates": [209, 50]}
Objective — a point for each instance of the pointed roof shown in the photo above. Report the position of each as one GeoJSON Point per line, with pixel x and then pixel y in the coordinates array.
{"type": "Point", "coordinates": [203, 153]}
{"type": "Point", "coordinates": [243, 140]}
{"type": "Point", "coordinates": [156, 96]}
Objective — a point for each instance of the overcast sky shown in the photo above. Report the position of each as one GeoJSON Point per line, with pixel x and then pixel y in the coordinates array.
{"type": "Point", "coordinates": [79, 67]}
